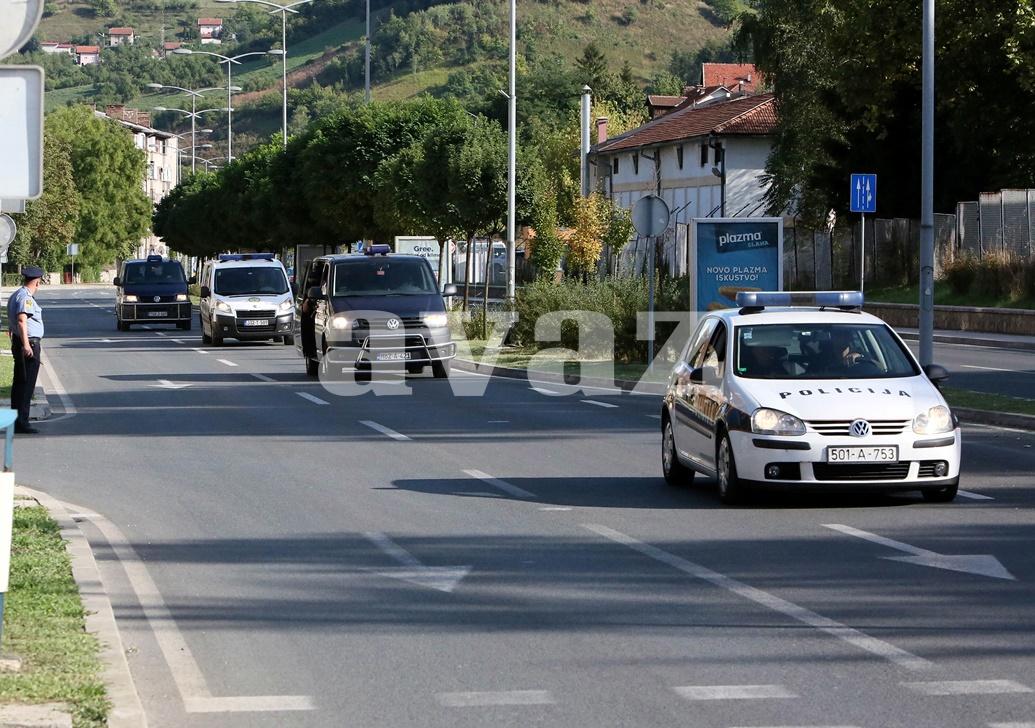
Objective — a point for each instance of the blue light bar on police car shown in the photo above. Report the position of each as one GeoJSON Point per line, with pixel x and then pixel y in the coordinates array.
{"type": "Point", "coordinates": [246, 256]}
{"type": "Point", "coordinates": [831, 299]}
{"type": "Point", "coordinates": [383, 249]}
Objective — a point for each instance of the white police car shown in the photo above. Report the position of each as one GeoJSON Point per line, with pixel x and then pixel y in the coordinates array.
{"type": "Point", "coordinates": [804, 390]}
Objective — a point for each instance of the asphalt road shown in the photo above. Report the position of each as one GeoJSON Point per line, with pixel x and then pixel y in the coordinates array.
{"type": "Point", "coordinates": [278, 555]}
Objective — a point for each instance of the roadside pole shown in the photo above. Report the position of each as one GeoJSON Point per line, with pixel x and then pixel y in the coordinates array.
{"type": "Point", "coordinates": [927, 195]}
{"type": "Point", "coordinates": [7, 418]}
{"type": "Point", "coordinates": [862, 196]}
{"type": "Point", "coordinates": [862, 253]}
{"type": "Point", "coordinates": [650, 217]}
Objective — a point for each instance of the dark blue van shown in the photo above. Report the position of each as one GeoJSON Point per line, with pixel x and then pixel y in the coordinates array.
{"type": "Point", "coordinates": [152, 290]}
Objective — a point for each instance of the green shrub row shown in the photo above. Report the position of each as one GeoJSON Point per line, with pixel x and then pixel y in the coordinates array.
{"type": "Point", "coordinates": [1002, 275]}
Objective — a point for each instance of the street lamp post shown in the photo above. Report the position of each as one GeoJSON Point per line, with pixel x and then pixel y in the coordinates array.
{"type": "Point", "coordinates": [283, 10]}
{"type": "Point", "coordinates": [194, 94]}
{"type": "Point", "coordinates": [512, 156]}
{"type": "Point", "coordinates": [926, 323]}
{"type": "Point", "coordinates": [229, 61]}
{"type": "Point", "coordinates": [179, 150]}
{"type": "Point", "coordinates": [366, 59]}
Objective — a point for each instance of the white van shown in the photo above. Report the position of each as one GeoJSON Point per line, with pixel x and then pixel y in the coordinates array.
{"type": "Point", "coordinates": [247, 297]}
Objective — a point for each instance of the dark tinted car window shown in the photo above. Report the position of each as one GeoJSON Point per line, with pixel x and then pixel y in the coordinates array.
{"type": "Point", "coordinates": [377, 276]}
{"type": "Point", "coordinates": [168, 271]}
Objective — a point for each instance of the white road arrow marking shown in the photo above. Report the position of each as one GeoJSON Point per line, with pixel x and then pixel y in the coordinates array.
{"type": "Point", "coordinates": [440, 578]}
{"type": "Point", "coordinates": [980, 564]}
{"type": "Point", "coordinates": [166, 384]}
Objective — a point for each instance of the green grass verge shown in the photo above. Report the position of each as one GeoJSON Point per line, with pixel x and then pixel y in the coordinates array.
{"type": "Point", "coordinates": [521, 358]}
{"type": "Point", "coordinates": [44, 625]}
{"type": "Point", "coordinates": [944, 296]}
{"type": "Point", "coordinates": [989, 402]}
{"type": "Point", "coordinates": [6, 375]}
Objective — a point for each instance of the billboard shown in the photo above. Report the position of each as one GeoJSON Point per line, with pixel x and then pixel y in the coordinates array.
{"type": "Point", "coordinates": [729, 255]}
{"type": "Point", "coordinates": [424, 246]}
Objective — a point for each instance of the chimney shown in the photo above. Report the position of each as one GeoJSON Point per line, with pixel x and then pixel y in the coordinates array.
{"type": "Point", "coordinates": [601, 129]}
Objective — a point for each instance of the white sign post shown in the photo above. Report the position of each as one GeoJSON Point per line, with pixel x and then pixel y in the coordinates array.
{"type": "Point", "coordinates": [72, 249]}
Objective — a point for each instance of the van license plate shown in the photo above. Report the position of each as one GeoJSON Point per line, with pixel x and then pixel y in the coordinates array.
{"type": "Point", "coordinates": [393, 356]}
{"type": "Point", "coordinates": [257, 322]}
{"type": "Point", "coordinates": [157, 314]}
{"type": "Point", "coordinates": [862, 454]}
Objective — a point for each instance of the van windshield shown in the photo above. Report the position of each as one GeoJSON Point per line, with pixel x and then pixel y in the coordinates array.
{"type": "Point", "coordinates": [166, 271]}
{"type": "Point", "coordinates": [820, 351]}
{"type": "Point", "coordinates": [257, 281]}
{"type": "Point", "coordinates": [379, 276]}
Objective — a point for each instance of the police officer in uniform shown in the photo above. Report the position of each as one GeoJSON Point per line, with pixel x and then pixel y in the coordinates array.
{"type": "Point", "coordinates": [26, 321]}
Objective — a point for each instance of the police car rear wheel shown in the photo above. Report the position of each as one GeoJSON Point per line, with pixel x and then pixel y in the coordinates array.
{"type": "Point", "coordinates": [731, 490]}
{"type": "Point", "coordinates": [674, 471]}
{"type": "Point", "coordinates": [941, 495]}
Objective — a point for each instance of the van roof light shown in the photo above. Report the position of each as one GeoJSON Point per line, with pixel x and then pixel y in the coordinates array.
{"type": "Point", "coordinates": [758, 300]}
{"type": "Point", "coordinates": [382, 249]}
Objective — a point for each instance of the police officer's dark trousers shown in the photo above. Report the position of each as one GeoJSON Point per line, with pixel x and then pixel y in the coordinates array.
{"type": "Point", "coordinates": [26, 369]}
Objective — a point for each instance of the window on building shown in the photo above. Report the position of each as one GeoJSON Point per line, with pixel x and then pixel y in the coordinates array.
{"type": "Point", "coordinates": [151, 170]}
{"type": "Point", "coordinates": [704, 155]}
{"type": "Point", "coordinates": [614, 165]}
{"type": "Point", "coordinates": [636, 163]}
{"type": "Point", "coordinates": [679, 156]}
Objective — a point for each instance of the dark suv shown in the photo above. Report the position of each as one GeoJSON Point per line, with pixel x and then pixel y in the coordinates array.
{"type": "Point", "coordinates": [152, 290]}
{"type": "Point", "coordinates": [355, 312]}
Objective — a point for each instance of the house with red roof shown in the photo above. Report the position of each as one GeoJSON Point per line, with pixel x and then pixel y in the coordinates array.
{"type": "Point", "coordinates": [737, 77]}
{"type": "Point", "coordinates": [210, 30]}
{"type": "Point", "coordinates": [705, 160]}
{"type": "Point", "coordinates": [121, 36]}
{"type": "Point", "coordinates": [66, 49]}
{"type": "Point", "coordinates": [87, 55]}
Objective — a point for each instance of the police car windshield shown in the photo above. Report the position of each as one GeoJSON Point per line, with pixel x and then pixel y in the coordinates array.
{"type": "Point", "coordinates": [381, 276]}
{"type": "Point", "coordinates": [257, 281]}
{"type": "Point", "coordinates": [165, 272]}
{"type": "Point", "coordinates": [820, 351]}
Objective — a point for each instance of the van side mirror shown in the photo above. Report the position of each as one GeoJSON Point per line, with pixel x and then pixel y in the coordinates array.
{"type": "Point", "coordinates": [315, 293]}
{"type": "Point", "coordinates": [937, 374]}
{"type": "Point", "coordinates": [192, 280]}
{"type": "Point", "coordinates": [116, 281]}
{"type": "Point", "coordinates": [448, 290]}
{"type": "Point", "coordinates": [205, 292]}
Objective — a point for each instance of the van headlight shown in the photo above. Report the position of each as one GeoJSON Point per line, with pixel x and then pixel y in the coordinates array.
{"type": "Point", "coordinates": [774, 422]}
{"type": "Point", "coordinates": [340, 322]}
{"type": "Point", "coordinates": [436, 320]}
{"type": "Point", "coordinates": [224, 307]}
{"type": "Point", "coordinates": [181, 296]}
{"type": "Point", "coordinates": [130, 298]}
{"type": "Point", "coordinates": [935, 421]}
{"type": "Point", "coordinates": [286, 305]}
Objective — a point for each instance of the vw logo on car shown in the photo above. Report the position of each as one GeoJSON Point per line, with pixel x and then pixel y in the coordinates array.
{"type": "Point", "coordinates": [392, 324]}
{"type": "Point", "coordinates": [860, 428]}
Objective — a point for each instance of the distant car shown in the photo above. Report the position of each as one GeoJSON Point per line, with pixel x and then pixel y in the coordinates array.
{"type": "Point", "coordinates": [356, 312]}
{"type": "Point", "coordinates": [151, 290]}
{"type": "Point", "coordinates": [247, 297]}
{"type": "Point", "coordinates": [816, 396]}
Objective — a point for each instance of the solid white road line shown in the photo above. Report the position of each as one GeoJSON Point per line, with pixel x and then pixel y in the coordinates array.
{"type": "Point", "coordinates": [263, 377]}
{"type": "Point", "coordinates": [843, 632]}
{"type": "Point", "coordinates": [227, 362]}
{"type": "Point", "coordinates": [190, 682]}
{"type": "Point", "coordinates": [161, 333]}
{"type": "Point", "coordinates": [385, 430]}
{"type": "Point", "coordinates": [555, 508]}
{"type": "Point", "coordinates": [987, 369]}
{"type": "Point", "coordinates": [500, 484]}
{"type": "Point", "coordinates": [311, 397]}
{"type": "Point", "coordinates": [799, 726]}
{"type": "Point", "coordinates": [200, 351]}
{"type": "Point", "coordinates": [968, 687]}
{"type": "Point", "coordinates": [1011, 725]}
{"type": "Point", "coordinates": [543, 390]}
{"type": "Point", "coordinates": [733, 692]}
{"type": "Point", "coordinates": [974, 496]}
{"type": "Point", "coordinates": [655, 417]}
{"type": "Point", "coordinates": [58, 388]}
{"type": "Point", "coordinates": [599, 404]}
{"type": "Point", "coordinates": [177, 341]}
{"type": "Point", "coordinates": [504, 697]}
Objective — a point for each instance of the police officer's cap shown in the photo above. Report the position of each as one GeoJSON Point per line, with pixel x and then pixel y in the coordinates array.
{"type": "Point", "coordinates": [31, 272]}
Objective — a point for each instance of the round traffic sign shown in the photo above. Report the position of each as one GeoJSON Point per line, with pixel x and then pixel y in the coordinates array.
{"type": "Point", "coordinates": [7, 232]}
{"type": "Point", "coordinates": [18, 21]}
{"type": "Point", "coordinates": [650, 216]}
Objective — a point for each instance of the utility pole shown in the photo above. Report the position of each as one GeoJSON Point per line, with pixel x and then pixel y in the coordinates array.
{"type": "Point", "coordinates": [366, 58]}
{"type": "Point", "coordinates": [927, 194]}
{"type": "Point", "coordinates": [512, 156]}
{"type": "Point", "coordinates": [587, 103]}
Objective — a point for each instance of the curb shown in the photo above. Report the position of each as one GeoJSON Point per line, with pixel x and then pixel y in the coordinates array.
{"type": "Point", "coordinates": [126, 708]}
{"type": "Point", "coordinates": [995, 419]}
{"type": "Point", "coordinates": [502, 372]}
{"type": "Point", "coordinates": [988, 343]}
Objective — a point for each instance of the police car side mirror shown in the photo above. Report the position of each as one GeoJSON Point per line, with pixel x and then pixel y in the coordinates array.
{"type": "Point", "coordinates": [936, 373]}
{"type": "Point", "coordinates": [205, 292]}
{"type": "Point", "coordinates": [448, 290]}
{"type": "Point", "coordinates": [315, 293]}
{"type": "Point", "coordinates": [116, 281]}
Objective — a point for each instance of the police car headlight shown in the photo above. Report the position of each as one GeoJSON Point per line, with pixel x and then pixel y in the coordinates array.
{"type": "Point", "coordinates": [436, 320]}
{"type": "Point", "coordinates": [181, 296]}
{"type": "Point", "coordinates": [935, 421]}
{"type": "Point", "coordinates": [286, 305]}
{"type": "Point", "coordinates": [224, 307]}
{"type": "Point", "coordinates": [775, 422]}
{"type": "Point", "coordinates": [340, 322]}
{"type": "Point", "coordinates": [130, 298]}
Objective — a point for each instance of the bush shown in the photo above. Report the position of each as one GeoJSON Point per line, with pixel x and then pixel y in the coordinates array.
{"type": "Point", "coordinates": [960, 273]}
{"type": "Point", "coordinates": [1000, 276]}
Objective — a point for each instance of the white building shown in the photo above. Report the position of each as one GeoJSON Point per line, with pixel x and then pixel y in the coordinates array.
{"type": "Point", "coordinates": [121, 36]}
{"type": "Point", "coordinates": [53, 47]}
{"type": "Point", "coordinates": [210, 30]}
{"type": "Point", "coordinates": [87, 55]}
{"type": "Point", "coordinates": [704, 160]}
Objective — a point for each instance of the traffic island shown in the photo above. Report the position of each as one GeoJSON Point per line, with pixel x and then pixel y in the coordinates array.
{"type": "Point", "coordinates": [60, 680]}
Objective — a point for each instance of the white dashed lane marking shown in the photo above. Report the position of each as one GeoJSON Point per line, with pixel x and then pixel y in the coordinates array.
{"type": "Point", "coordinates": [600, 404]}
{"type": "Point", "coordinates": [500, 484]}
{"type": "Point", "coordinates": [968, 687]}
{"type": "Point", "coordinates": [200, 351]}
{"type": "Point", "coordinates": [384, 430]}
{"type": "Point", "coordinates": [974, 496]}
{"type": "Point", "coordinates": [263, 377]}
{"type": "Point", "coordinates": [505, 697]}
{"type": "Point", "coordinates": [227, 362]}
{"type": "Point", "coordinates": [312, 398]}
{"type": "Point", "coordinates": [733, 692]}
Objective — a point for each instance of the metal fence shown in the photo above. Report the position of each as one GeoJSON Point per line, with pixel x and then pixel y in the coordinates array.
{"type": "Point", "coordinates": [1001, 221]}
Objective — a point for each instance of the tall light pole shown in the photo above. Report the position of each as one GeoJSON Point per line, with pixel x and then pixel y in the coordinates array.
{"type": "Point", "coordinates": [366, 58]}
{"type": "Point", "coordinates": [512, 156]}
{"type": "Point", "coordinates": [229, 61]}
{"type": "Point", "coordinates": [194, 94]}
{"type": "Point", "coordinates": [179, 150]}
{"type": "Point", "coordinates": [927, 194]}
{"type": "Point", "coordinates": [283, 10]}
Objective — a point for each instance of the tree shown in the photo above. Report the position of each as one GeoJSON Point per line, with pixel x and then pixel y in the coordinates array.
{"type": "Point", "coordinates": [108, 170]}
{"type": "Point", "coordinates": [665, 83]}
{"type": "Point", "coordinates": [587, 237]}
{"type": "Point", "coordinates": [592, 67]}
{"type": "Point", "coordinates": [49, 223]}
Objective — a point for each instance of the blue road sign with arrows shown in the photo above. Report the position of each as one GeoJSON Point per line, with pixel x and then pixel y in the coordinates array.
{"type": "Point", "coordinates": [864, 193]}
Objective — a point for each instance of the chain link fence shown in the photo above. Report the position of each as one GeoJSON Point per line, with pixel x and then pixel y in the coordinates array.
{"type": "Point", "coordinates": [999, 222]}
